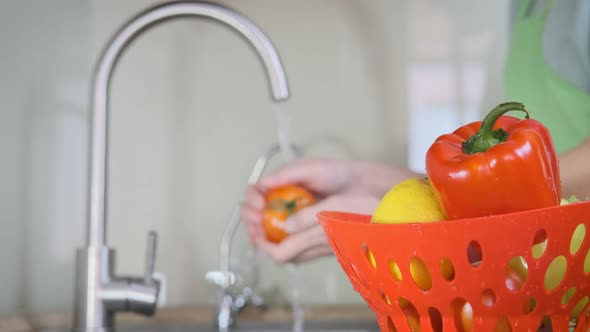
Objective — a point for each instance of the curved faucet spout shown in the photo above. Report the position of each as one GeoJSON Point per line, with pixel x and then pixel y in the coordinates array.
{"type": "Point", "coordinates": [108, 60]}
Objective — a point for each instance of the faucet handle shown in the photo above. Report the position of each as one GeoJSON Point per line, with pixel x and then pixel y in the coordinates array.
{"type": "Point", "coordinates": [150, 261]}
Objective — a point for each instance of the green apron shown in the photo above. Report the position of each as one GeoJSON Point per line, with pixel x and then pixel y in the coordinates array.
{"type": "Point", "coordinates": [557, 103]}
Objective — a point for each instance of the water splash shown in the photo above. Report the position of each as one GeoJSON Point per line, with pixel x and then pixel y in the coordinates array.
{"type": "Point", "coordinates": [298, 313]}
{"type": "Point", "coordinates": [284, 133]}
{"type": "Point", "coordinates": [288, 152]}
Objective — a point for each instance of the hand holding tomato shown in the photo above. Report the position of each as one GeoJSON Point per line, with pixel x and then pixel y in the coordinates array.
{"type": "Point", "coordinates": [337, 185]}
{"type": "Point", "coordinates": [282, 202]}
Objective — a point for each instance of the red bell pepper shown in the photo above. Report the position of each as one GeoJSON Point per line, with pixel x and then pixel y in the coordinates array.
{"type": "Point", "coordinates": [499, 165]}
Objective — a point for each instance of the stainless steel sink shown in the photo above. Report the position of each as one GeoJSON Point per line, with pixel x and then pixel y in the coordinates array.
{"type": "Point", "coordinates": [258, 326]}
{"type": "Point", "coordinates": [252, 326]}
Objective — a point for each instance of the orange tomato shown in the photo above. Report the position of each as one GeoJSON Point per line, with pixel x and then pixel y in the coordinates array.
{"type": "Point", "coordinates": [281, 202]}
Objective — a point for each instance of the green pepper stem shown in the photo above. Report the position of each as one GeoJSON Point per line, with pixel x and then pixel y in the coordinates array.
{"type": "Point", "coordinates": [486, 136]}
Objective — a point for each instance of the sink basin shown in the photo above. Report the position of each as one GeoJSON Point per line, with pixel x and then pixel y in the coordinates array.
{"type": "Point", "coordinates": [265, 326]}
{"type": "Point", "coordinates": [252, 326]}
{"type": "Point", "coordinates": [320, 318]}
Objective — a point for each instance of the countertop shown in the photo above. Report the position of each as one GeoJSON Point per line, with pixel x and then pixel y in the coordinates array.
{"type": "Point", "coordinates": [185, 315]}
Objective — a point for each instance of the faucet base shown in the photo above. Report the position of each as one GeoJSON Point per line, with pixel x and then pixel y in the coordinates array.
{"type": "Point", "coordinates": [99, 294]}
{"type": "Point", "coordinates": [90, 312]}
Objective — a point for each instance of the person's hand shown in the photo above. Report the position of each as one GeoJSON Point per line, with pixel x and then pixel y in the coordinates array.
{"type": "Point", "coordinates": [338, 185]}
{"type": "Point", "coordinates": [322, 177]}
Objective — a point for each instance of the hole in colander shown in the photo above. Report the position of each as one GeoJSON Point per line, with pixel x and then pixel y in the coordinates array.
{"type": "Point", "coordinates": [555, 273]}
{"type": "Point", "coordinates": [412, 316]}
{"type": "Point", "coordinates": [435, 319]}
{"type": "Point", "coordinates": [567, 296]}
{"type": "Point", "coordinates": [587, 263]}
{"type": "Point", "coordinates": [516, 273]}
{"type": "Point", "coordinates": [369, 256]}
{"type": "Point", "coordinates": [358, 276]}
{"type": "Point", "coordinates": [578, 309]}
{"type": "Point", "coordinates": [462, 314]}
{"type": "Point", "coordinates": [529, 305]}
{"type": "Point", "coordinates": [488, 297]}
{"type": "Point", "coordinates": [385, 298]}
{"type": "Point", "coordinates": [474, 253]}
{"type": "Point", "coordinates": [503, 325]}
{"type": "Point", "coordinates": [447, 269]}
{"type": "Point", "coordinates": [539, 243]}
{"type": "Point", "coordinates": [420, 274]}
{"type": "Point", "coordinates": [390, 325]}
{"type": "Point", "coordinates": [577, 239]}
{"type": "Point", "coordinates": [546, 324]}
{"type": "Point", "coordinates": [394, 269]}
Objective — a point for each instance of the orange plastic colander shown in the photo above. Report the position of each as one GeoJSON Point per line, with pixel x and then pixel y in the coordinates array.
{"type": "Point", "coordinates": [525, 271]}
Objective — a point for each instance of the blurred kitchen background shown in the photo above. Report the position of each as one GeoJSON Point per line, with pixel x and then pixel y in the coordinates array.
{"type": "Point", "coordinates": [191, 112]}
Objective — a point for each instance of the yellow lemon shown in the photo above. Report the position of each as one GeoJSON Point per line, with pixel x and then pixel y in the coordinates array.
{"type": "Point", "coordinates": [411, 200]}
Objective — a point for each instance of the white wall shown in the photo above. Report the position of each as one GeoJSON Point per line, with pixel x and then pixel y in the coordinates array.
{"type": "Point", "coordinates": [44, 65]}
{"type": "Point", "coordinates": [191, 112]}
